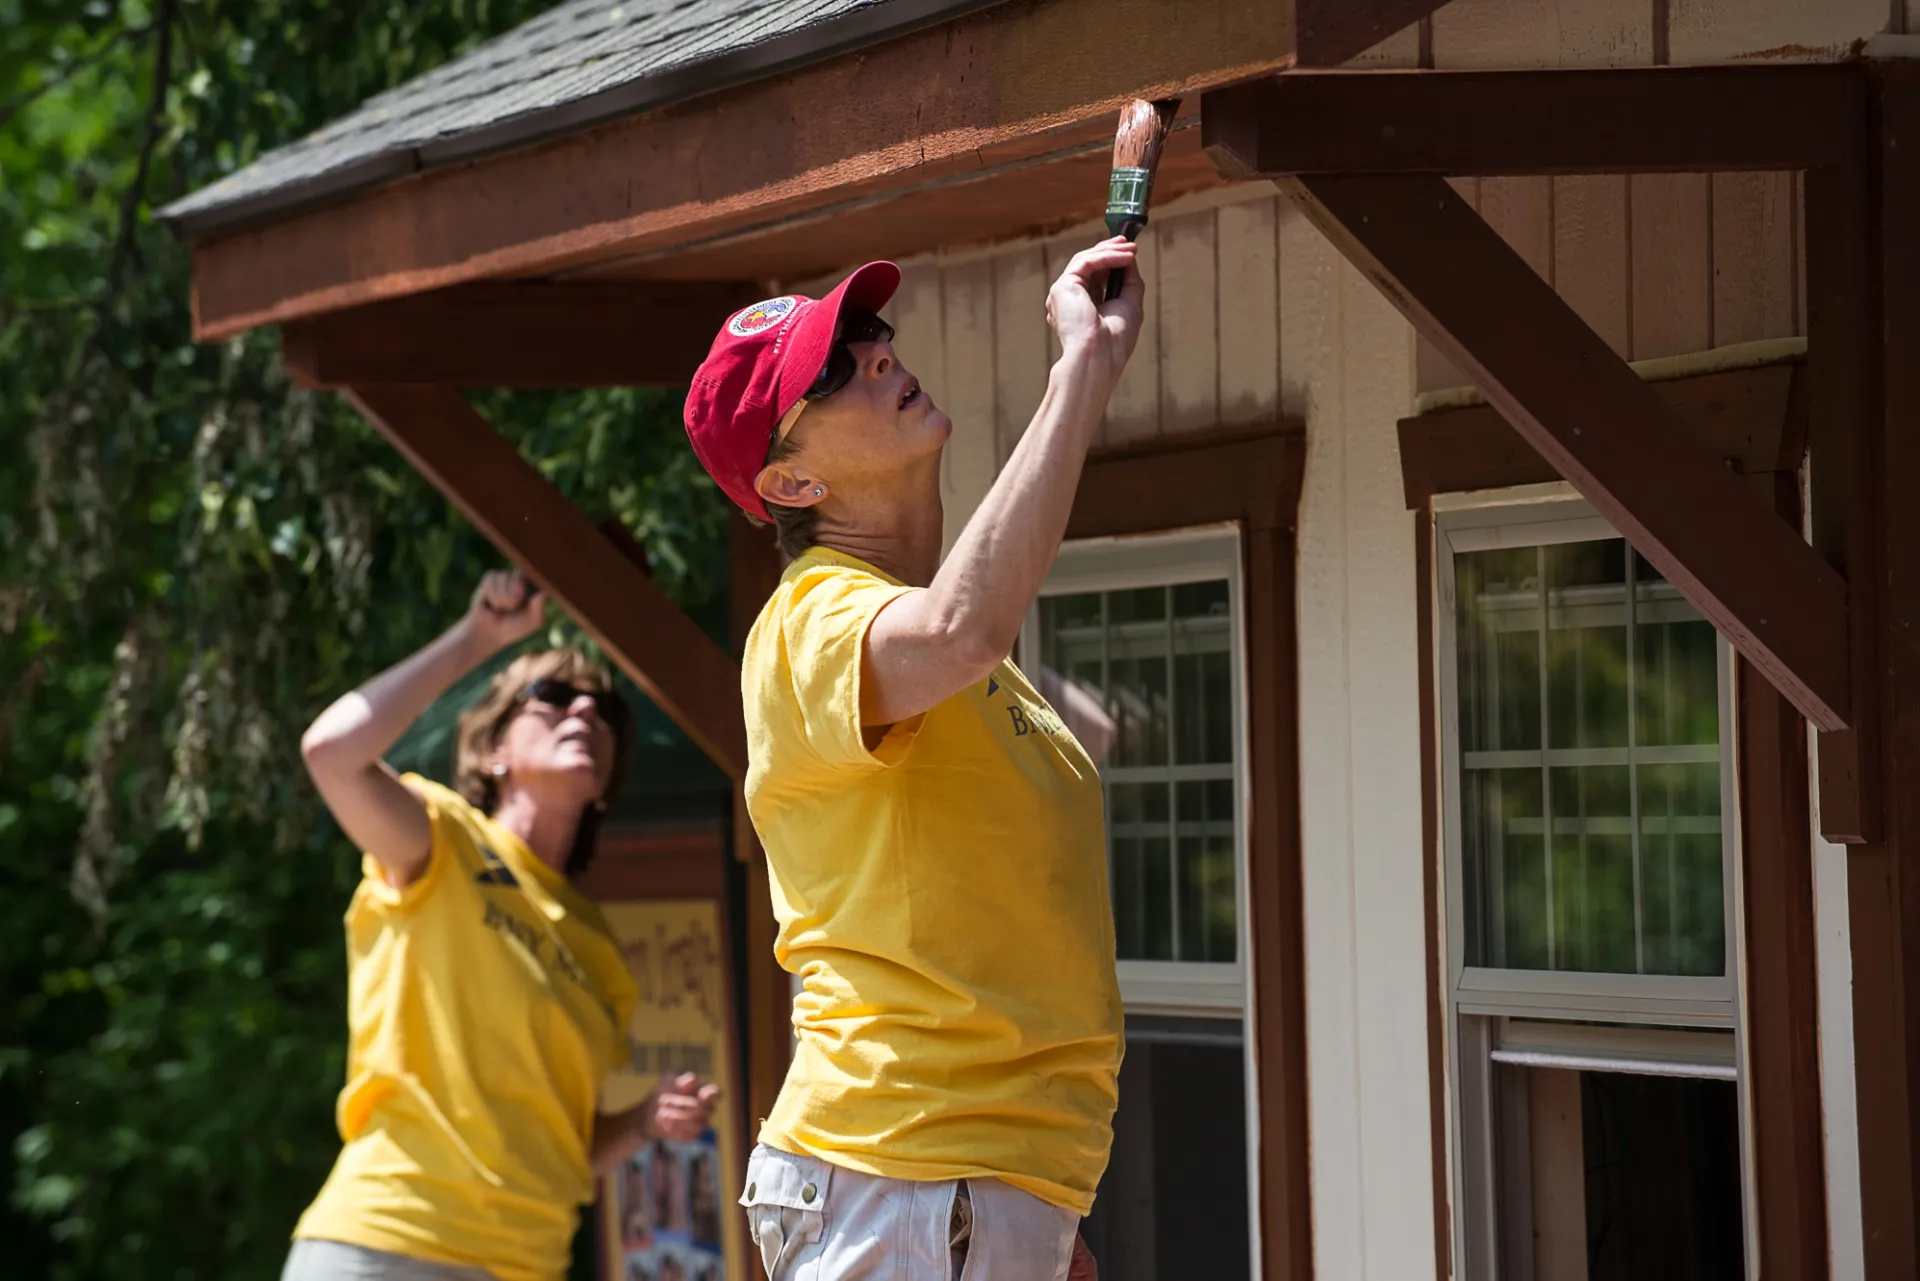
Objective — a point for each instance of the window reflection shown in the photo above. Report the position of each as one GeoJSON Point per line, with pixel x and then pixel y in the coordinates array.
{"type": "Point", "coordinates": [1143, 677]}
{"type": "Point", "coordinates": [1590, 764]}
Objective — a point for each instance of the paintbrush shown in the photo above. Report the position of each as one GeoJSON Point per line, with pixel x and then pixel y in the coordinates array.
{"type": "Point", "coordinates": [1136, 153]}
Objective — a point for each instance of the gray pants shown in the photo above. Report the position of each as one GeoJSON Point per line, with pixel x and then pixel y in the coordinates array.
{"type": "Point", "coordinates": [811, 1221]}
{"type": "Point", "coordinates": [311, 1260]}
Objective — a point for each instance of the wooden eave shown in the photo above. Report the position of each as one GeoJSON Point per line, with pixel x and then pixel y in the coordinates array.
{"type": "Point", "coordinates": [994, 125]}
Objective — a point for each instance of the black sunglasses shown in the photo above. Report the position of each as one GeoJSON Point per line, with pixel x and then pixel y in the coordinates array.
{"type": "Point", "coordinates": [857, 324]}
{"type": "Point", "coordinates": [607, 705]}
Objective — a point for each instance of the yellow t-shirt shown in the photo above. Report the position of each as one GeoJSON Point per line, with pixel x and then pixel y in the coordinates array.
{"type": "Point", "coordinates": [486, 1002]}
{"type": "Point", "coordinates": [943, 897]}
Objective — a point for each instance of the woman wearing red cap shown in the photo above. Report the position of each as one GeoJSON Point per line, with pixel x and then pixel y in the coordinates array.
{"type": "Point", "coordinates": [934, 832]}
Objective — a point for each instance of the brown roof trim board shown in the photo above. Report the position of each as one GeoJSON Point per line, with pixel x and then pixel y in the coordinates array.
{"type": "Point", "coordinates": [235, 202]}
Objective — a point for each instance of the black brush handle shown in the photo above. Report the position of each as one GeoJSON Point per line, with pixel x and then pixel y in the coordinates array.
{"type": "Point", "coordinates": [1117, 278]}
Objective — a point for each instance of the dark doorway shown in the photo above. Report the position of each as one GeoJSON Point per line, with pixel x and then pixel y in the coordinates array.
{"type": "Point", "coordinates": [1663, 1178]}
{"type": "Point", "coordinates": [1173, 1204]}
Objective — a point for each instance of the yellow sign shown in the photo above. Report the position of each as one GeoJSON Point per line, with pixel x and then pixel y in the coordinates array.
{"type": "Point", "coordinates": [669, 1210]}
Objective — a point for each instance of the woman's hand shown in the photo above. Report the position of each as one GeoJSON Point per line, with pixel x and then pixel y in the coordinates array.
{"type": "Point", "coordinates": [681, 1108]}
{"type": "Point", "coordinates": [506, 609]}
{"type": "Point", "coordinates": [1086, 323]}
{"type": "Point", "coordinates": [1082, 1269]}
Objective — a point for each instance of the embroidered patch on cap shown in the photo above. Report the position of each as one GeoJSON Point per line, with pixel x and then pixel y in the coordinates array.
{"type": "Point", "coordinates": [761, 315]}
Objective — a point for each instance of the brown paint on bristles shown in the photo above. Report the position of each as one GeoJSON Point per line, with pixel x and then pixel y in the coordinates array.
{"type": "Point", "coordinates": [1136, 154]}
{"type": "Point", "coordinates": [1143, 132]}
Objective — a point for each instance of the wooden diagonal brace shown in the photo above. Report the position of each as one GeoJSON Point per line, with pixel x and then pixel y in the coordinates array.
{"type": "Point", "coordinates": [1601, 426]}
{"type": "Point", "coordinates": [519, 510]}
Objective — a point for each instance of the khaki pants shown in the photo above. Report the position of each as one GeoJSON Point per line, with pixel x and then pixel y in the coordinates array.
{"type": "Point", "coordinates": [812, 1221]}
{"type": "Point", "coordinates": [311, 1260]}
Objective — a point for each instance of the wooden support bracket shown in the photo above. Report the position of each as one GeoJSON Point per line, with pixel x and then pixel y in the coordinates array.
{"type": "Point", "coordinates": [1611, 120]}
{"type": "Point", "coordinates": [517, 334]}
{"type": "Point", "coordinates": [1843, 374]}
{"type": "Point", "coordinates": [519, 510]}
{"type": "Point", "coordinates": [1601, 426]}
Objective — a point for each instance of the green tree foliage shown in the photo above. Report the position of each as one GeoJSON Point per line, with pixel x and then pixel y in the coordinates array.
{"type": "Point", "coordinates": [194, 557]}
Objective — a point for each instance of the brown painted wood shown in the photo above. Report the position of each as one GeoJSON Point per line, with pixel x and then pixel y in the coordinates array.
{"type": "Point", "coordinates": [1604, 429]}
{"type": "Point", "coordinates": [1278, 960]}
{"type": "Point", "coordinates": [753, 570]}
{"type": "Point", "coordinates": [1254, 479]}
{"type": "Point", "coordinates": [518, 334]}
{"type": "Point", "coordinates": [1843, 371]}
{"type": "Point", "coordinates": [1430, 865]}
{"type": "Point", "coordinates": [665, 653]}
{"type": "Point", "coordinates": [1614, 120]}
{"type": "Point", "coordinates": [1782, 1026]}
{"type": "Point", "coordinates": [1019, 199]}
{"type": "Point", "coordinates": [1883, 885]}
{"type": "Point", "coordinates": [1749, 418]}
{"type": "Point", "coordinates": [1012, 84]}
{"type": "Point", "coordinates": [1329, 32]}
{"type": "Point", "coordinates": [683, 862]}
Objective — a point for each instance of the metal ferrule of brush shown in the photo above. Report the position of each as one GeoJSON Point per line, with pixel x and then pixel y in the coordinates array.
{"type": "Point", "coordinates": [1127, 195]}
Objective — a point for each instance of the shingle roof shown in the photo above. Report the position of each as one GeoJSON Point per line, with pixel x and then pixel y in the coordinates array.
{"type": "Point", "coordinates": [581, 63]}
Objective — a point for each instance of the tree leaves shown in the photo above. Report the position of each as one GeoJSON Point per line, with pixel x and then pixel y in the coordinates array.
{"type": "Point", "coordinates": [194, 557]}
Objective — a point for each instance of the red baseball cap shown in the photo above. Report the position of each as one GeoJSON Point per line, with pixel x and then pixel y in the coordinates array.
{"type": "Point", "coordinates": [759, 367]}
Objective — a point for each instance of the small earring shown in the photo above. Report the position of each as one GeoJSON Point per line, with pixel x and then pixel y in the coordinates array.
{"type": "Point", "coordinates": [817, 491]}
{"type": "Point", "coordinates": [499, 771]}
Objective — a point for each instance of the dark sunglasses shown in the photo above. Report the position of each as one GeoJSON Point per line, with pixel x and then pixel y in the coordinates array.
{"type": "Point", "coordinates": [607, 705]}
{"type": "Point", "coordinates": [856, 325]}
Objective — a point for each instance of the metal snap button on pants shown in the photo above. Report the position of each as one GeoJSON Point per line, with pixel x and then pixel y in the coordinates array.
{"type": "Point", "coordinates": [811, 1221]}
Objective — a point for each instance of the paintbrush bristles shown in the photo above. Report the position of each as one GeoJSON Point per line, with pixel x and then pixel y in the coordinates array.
{"type": "Point", "coordinates": [1143, 131]}
{"type": "Point", "coordinates": [1136, 152]}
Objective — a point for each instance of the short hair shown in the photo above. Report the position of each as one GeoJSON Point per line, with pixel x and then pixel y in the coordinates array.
{"type": "Point", "coordinates": [484, 720]}
{"type": "Point", "coordinates": [794, 528]}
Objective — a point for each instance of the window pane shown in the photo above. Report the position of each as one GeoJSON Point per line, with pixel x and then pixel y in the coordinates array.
{"type": "Point", "coordinates": [1206, 843]}
{"type": "Point", "coordinates": [1137, 687]}
{"type": "Point", "coordinates": [1680, 842]}
{"type": "Point", "coordinates": [1504, 818]}
{"type": "Point", "coordinates": [1588, 697]}
{"type": "Point", "coordinates": [1594, 923]}
{"type": "Point", "coordinates": [1499, 644]}
{"type": "Point", "coordinates": [1158, 661]}
{"type": "Point", "coordinates": [1586, 645]}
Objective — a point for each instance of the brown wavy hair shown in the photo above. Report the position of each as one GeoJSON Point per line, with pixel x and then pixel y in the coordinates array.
{"type": "Point", "coordinates": [482, 724]}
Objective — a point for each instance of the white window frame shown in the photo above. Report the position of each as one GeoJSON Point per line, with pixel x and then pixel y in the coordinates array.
{"type": "Point", "coordinates": [1547, 1018]}
{"type": "Point", "coordinates": [1201, 554]}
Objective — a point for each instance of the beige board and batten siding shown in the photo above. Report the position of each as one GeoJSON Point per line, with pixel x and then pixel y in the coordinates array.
{"type": "Point", "coordinates": [1252, 316]}
{"type": "Point", "coordinates": [1671, 263]}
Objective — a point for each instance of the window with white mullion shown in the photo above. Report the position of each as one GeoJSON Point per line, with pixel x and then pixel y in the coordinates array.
{"type": "Point", "coordinates": [1589, 766]}
{"type": "Point", "coordinates": [1146, 630]}
{"type": "Point", "coordinates": [1593, 997]}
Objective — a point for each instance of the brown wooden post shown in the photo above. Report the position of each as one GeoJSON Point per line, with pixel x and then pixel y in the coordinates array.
{"type": "Point", "coordinates": [1782, 981]}
{"type": "Point", "coordinates": [753, 568]}
{"type": "Point", "coordinates": [1883, 885]}
{"type": "Point", "coordinates": [1277, 964]}
{"type": "Point", "coordinates": [1843, 371]}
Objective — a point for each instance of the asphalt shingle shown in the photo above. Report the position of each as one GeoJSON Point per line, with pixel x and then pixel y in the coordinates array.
{"type": "Point", "coordinates": [581, 63]}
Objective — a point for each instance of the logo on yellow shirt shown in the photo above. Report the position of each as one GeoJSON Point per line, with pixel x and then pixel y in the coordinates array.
{"type": "Point", "coordinates": [496, 872]}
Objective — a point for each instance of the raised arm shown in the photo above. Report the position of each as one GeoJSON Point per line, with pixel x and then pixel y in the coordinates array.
{"type": "Point", "coordinates": [927, 646]}
{"type": "Point", "coordinates": [344, 746]}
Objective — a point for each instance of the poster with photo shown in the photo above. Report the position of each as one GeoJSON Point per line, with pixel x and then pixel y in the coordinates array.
{"type": "Point", "coordinates": [666, 1210]}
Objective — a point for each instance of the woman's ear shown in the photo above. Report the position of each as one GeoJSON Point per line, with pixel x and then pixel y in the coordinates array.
{"type": "Point", "coordinates": [785, 485]}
